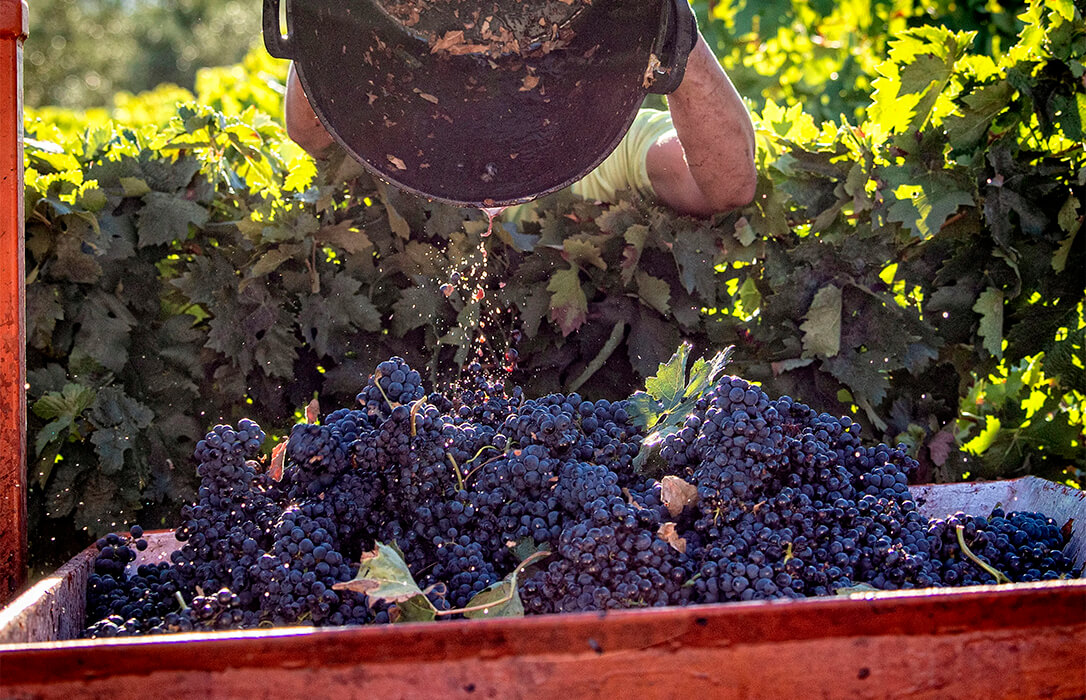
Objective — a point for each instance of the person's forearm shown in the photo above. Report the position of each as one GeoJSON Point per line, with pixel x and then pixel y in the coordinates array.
{"type": "Point", "coordinates": [715, 131]}
{"type": "Point", "coordinates": [302, 124]}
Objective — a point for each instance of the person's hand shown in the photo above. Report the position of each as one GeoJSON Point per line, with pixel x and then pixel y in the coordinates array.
{"type": "Point", "coordinates": [709, 166]}
{"type": "Point", "coordinates": [673, 49]}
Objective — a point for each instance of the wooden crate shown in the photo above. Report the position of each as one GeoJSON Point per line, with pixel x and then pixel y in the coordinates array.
{"type": "Point", "coordinates": [1020, 640]}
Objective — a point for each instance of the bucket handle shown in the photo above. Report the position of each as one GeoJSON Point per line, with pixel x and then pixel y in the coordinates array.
{"type": "Point", "coordinates": [274, 41]}
{"type": "Point", "coordinates": [675, 40]}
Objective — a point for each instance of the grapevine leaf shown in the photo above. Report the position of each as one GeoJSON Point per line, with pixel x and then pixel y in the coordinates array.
{"type": "Point", "coordinates": [501, 599]}
{"type": "Point", "coordinates": [61, 493]}
{"type": "Point", "coordinates": [862, 373]}
{"type": "Point", "coordinates": [618, 218]}
{"type": "Point", "coordinates": [345, 237]}
{"type": "Point", "coordinates": [782, 366]}
{"type": "Point", "coordinates": [47, 446]}
{"type": "Point", "coordinates": [569, 306]}
{"type": "Point", "coordinates": [744, 233]}
{"type": "Point", "coordinates": [526, 547]}
{"type": "Point", "coordinates": [205, 279]}
{"type": "Point", "coordinates": [822, 325]}
{"type": "Point", "coordinates": [670, 396]}
{"type": "Point", "coordinates": [926, 212]}
{"type": "Point", "coordinates": [704, 373]}
{"type": "Point", "coordinates": [71, 401]}
{"type": "Point", "coordinates": [980, 109]}
{"type": "Point", "coordinates": [114, 408]}
{"type": "Point", "coordinates": [1071, 223]}
{"type": "Point", "coordinates": [695, 254]}
{"type": "Point", "coordinates": [272, 259]}
{"type": "Point", "coordinates": [396, 221]}
{"type": "Point", "coordinates": [134, 186]}
{"type": "Point", "coordinates": [328, 321]}
{"type": "Point", "coordinates": [749, 296]}
{"type": "Point", "coordinates": [1070, 114]}
{"type": "Point", "coordinates": [104, 334]}
{"type": "Point", "coordinates": [653, 291]}
{"type": "Point", "coordinates": [110, 444]}
{"type": "Point", "coordinates": [667, 385]}
{"type": "Point", "coordinates": [581, 253]}
{"type": "Point", "coordinates": [636, 236]}
{"type": "Point", "coordinates": [99, 499]}
{"type": "Point", "coordinates": [383, 576]}
{"type": "Point", "coordinates": [940, 447]}
{"type": "Point", "coordinates": [1068, 217]}
{"type": "Point", "coordinates": [416, 609]}
{"type": "Point", "coordinates": [312, 411]}
{"type": "Point", "coordinates": [918, 356]}
{"type": "Point", "coordinates": [300, 173]}
{"type": "Point", "coordinates": [165, 218]}
{"type": "Point", "coordinates": [416, 307]}
{"type": "Point", "coordinates": [73, 262]}
{"type": "Point", "coordinates": [278, 461]}
{"type": "Point", "coordinates": [990, 307]}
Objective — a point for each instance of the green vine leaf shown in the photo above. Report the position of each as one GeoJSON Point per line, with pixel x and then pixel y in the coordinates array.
{"type": "Point", "coordinates": [383, 576]}
{"type": "Point", "coordinates": [500, 599]}
{"type": "Point", "coordinates": [822, 325]}
{"type": "Point", "coordinates": [569, 305]}
{"type": "Point", "coordinates": [166, 218]}
{"type": "Point", "coordinates": [653, 291]}
{"type": "Point", "coordinates": [582, 253]}
{"type": "Point", "coordinates": [670, 395]}
{"type": "Point", "coordinates": [990, 307]}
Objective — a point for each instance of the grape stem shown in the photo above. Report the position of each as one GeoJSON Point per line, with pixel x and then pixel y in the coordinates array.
{"type": "Point", "coordinates": [414, 412]}
{"type": "Point", "coordinates": [471, 473]}
{"type": "Point", "coordinates": [456, 468]}
{"type": "Point", "coordinates": [998, 575]}
{"type": "Point", "coordinates": [181, 600]}
{"type": "Point", "coordinates": [504, 599]}
{"type": "Point", "coordinates": [377, 383]}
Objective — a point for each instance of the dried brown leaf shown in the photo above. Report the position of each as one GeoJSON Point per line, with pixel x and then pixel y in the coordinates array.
{"type": "Point", "coordinates": [677, 494]}
{"type": "Point", "coordinates": [669, 534]}
{"type": "Point", "coordinates": [278, 459]}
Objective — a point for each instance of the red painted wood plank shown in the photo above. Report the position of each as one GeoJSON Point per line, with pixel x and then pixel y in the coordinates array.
{"type": "Point", "coordinates": [13, 30]}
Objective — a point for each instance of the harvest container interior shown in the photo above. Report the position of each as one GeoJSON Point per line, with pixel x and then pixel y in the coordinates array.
{"type": "Point", "coordinates": [53, 609]}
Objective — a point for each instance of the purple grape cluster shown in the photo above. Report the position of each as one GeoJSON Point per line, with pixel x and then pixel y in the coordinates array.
{"type": "Point", "coordinates": [781, 502]}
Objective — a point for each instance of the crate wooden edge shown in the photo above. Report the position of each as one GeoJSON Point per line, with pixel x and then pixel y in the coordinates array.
{"type": "Point", "coordinates": [1023, 640]}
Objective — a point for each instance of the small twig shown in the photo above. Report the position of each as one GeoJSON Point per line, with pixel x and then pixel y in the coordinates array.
{"type": "Point", "coordinates": [181, 600]}
{"type": "Point", "coordinates": [998, 575]}
{"type": "Point", "coordinates": [951, 220]}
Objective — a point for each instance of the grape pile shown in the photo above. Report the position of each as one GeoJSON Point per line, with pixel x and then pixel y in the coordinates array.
{"type": "Point", "coordinates": [783, 502]}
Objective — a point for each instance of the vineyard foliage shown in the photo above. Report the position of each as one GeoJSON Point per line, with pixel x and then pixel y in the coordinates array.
{"type": "Point", "coordinates": [916, 263]}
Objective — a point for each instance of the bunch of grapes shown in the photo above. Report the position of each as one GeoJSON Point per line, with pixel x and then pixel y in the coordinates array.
{"type": "Point", "coordinates": [466, 483]}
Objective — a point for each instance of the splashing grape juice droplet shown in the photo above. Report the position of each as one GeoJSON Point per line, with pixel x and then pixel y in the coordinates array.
{"type": "Point", "coordinates": [491, 213]}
